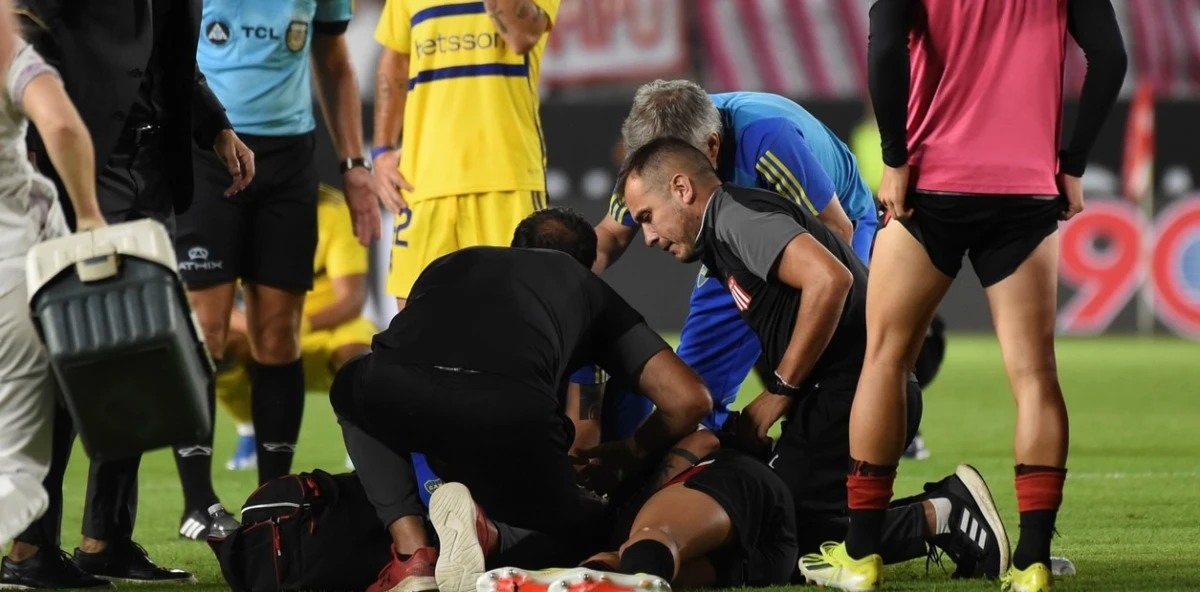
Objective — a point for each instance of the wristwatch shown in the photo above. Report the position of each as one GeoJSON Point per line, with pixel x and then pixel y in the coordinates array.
{"type": "Point", "coordinates": [779, 386]}
{"type": "Point", "coordinates": [350, 163]}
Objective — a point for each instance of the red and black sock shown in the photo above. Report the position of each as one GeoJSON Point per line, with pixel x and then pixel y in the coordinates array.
{"type": "Point", "coordinates": [1039, 494]}
{"type": "Point", "coordinates": [868, 493]}
{"type": "Point", "coordinates": [277, 401]}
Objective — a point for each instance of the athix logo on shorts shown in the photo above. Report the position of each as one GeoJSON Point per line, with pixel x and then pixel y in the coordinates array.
{"type": "Point", "coordinates": [741, 298]}
{"type": "Point", "coordinates": [198, 261]}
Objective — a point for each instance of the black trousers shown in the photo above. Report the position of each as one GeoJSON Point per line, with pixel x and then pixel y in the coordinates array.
{"type": "Point", "coordinates": [130, 187]}
{"type": "Point", "coordinates": [813, 457]}
{"type": "Point", "coordinates": [506, 442]}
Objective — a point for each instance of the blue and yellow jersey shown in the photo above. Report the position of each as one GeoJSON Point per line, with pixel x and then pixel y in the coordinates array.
{"type": "Point", "coordinates": [772, 143]}
{"type": "Point", "coordinates": [471, 121]}
{"type": "Point", "coordinates": [255, 54]}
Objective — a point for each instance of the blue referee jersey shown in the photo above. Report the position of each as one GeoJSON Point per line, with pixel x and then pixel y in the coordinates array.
{"type": "Point", "coordinates": [255, 54]}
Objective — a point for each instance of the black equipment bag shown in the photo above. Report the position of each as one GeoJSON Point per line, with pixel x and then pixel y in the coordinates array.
{"type": "Point", "coordinates": [311, 531]}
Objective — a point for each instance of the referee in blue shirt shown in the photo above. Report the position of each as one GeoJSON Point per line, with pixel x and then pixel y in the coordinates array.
{"type": "Point", "coordinates": [260, 58]}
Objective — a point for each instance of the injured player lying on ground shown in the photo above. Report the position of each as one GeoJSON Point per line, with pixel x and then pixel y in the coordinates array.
{"type": "Point", "coordinates": [713, 517]}
{"type": "Point", "coordinates": [735, 505]}
{"type": "Point", "coordinates": [707, 517]}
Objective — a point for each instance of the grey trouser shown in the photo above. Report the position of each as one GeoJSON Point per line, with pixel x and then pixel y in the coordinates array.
{"type": "Point", "coordinates": [28, 391]}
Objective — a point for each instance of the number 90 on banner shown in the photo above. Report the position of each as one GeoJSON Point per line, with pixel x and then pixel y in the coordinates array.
{"type": "Point", "coordinates": [1111, 249]}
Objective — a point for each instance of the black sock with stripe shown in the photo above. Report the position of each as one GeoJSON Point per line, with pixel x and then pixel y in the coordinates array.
{"type": "Point", "coordinates": [277, 402]}
{"type": "Point", "coordinates": [194, 463]}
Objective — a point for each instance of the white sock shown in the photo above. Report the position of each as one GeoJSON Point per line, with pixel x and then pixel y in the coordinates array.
{"type": "Point", "coordinates": [941, 513]}
{"type": "Point", "coordinates": [245, 429]}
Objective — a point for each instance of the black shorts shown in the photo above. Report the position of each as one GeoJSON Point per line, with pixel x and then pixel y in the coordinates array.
{"type": "Point", "coordinates": [760, 507]}
{"type": "Point", "coordinates": [998, 232]}
{"type": "Point", "coordinates": [265, 235]}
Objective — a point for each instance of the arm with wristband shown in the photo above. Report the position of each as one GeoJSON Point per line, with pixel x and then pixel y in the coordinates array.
{"type": "Point", "coordinates": [777, 249]}
{"type": "Point", "coordinates": [391, 91]}
{"type": "Point", "coordinates": [337, 93]}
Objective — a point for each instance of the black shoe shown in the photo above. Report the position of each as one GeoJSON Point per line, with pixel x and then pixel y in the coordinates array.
{"type": "Point", "coordinates": [50, 567]}
{"type": "Point", "coordinates": [127, 561]}
{"type": "Point", "coordinates": [216, 522]}
{"type": "Point", "coordinates": [977, 541]}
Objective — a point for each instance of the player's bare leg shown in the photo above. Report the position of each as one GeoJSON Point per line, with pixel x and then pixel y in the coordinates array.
{"type": "Point", "coordinates": [669, 540]}
{"type": "Point", "coordinates": [276, 377]}
{"type": "Point", "coordinates": [903, 293]}
{"type": "Point", "coordinates": [676, 526]}
{"type": "Point", "coordinates": [400, 302]}
{"type": "Point", "coordinates": [213, 306]}
{"type": "Point", "coordinates": [1024, 307]}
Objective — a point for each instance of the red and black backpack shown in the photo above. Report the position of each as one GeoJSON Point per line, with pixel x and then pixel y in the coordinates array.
{"type": "Point", "coordinates": [311, 531]}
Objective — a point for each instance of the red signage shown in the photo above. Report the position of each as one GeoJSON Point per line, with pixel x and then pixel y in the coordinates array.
{"type": "Point", "coordinates": [616, 40]}
{"type": "Point", "coordinates": [1110, 250]}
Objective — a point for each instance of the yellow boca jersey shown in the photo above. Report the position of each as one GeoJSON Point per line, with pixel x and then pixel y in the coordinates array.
{"type": "Point", "coordinates": [338, 252]}
{"type": "Point", "coordinates": [471, 121]}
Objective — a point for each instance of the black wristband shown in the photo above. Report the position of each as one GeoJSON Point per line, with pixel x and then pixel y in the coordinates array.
{"type": "Point", "coordinates": [350, 163]}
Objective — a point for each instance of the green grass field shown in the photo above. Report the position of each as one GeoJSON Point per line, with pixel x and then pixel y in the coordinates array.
{"type": "Point", "coordinates": [1133, 495]}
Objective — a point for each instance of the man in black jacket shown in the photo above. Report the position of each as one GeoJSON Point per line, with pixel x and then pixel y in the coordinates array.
{"type": "Point", "coordinates": [130, 68]}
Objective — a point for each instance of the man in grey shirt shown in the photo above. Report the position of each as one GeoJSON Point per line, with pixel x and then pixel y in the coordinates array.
{"type": "Point", "coordinates": [802, 290]}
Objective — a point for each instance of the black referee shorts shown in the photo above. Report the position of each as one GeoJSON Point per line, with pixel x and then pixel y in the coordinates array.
{"type": "Point", "coordinates": [760, 507]}
{"type": "Point", "coordinates": [997, 232]}
{"type": "Point", "coordinates": [265, 235]}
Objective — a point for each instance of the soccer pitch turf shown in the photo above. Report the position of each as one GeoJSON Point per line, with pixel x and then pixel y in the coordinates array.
{"type": "Point", "coordinates": [1130, 520]}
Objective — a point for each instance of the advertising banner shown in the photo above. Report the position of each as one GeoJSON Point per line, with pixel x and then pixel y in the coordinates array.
{"type": "Point", "coordinates": [1125, 266]}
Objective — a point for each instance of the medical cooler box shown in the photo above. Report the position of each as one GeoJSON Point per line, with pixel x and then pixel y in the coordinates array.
{"type": "Point", "coordinates": [123, 342]}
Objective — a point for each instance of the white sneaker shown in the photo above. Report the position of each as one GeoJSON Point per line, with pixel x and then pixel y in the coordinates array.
{"type": "Point", "coordinates": [458, 523]}
{"type": "Point", "coordinates": [22, 501]}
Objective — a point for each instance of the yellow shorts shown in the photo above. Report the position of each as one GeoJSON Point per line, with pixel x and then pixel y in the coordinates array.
{"type": "Point", "coordinates": [439, 226]}
{"type": "Point", "coordinates": [317, 349]}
